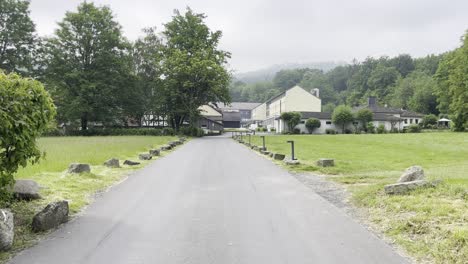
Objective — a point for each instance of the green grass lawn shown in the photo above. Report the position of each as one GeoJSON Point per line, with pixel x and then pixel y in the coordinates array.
{"type": "Point", "coordinates": [50, 173]}
{"type": "Point", "coordinates": [431, 224]}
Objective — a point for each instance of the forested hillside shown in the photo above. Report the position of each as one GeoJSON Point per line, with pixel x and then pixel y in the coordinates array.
{"type": "Point", "coordinates": [432, 84]}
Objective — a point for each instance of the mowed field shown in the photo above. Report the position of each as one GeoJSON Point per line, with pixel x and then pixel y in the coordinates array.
{"type": "Point", "coordinates": [51, 174]}
{"type": "Point", "coordinates": [430, 224]}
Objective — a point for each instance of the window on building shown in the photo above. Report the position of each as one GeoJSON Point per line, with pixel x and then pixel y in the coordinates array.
{"type": "Point", "coordinates": [355, 123]}
{"type": "Point", "coordinates": [416, 121]}
{"type": "Point", "coordinates": [411, 121]}
{"type": "Point", "coordinates": [328, 122]}
{"type": "Point", "coordinates": [406, 121]}
{"type": "Point", "coordinates": [302, 122]}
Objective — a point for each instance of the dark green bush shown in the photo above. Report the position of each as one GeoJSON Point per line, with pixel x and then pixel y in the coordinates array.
{"type": "Point", "coordinates": [370, 128]}
{"type": "Point", "coordinates": [413, 128]}
{"type": "Point", "coordinates": [330, 131]}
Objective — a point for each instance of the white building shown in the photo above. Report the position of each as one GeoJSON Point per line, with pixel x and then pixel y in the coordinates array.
{"type": "Point", "coordinates": [295, 99]}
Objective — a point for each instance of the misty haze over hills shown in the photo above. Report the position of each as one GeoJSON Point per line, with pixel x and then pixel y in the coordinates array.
{"type": "Point", "coordinates": [267, 74]}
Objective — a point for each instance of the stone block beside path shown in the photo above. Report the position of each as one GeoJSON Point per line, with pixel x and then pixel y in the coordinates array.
{"type": "Point", "coordinates": [79, 168]}
{"type": "Point", "coordinates": [7, 232]}
{"type": "Point", "coordinates": [51, 216]}
{"type": "Point", "coordinates": [155, 152]}
{"type": "Point", "coordinates": [26, 190]}
{"type": "Point", "coordinates": [326, 163]}
{"type": "Point", "coordinates": [112, 163]}
{"type": "Point", "coordinates": [131, 163]}
{"type": "Point", "coordinates": [145, 156]}
{"type": "Point", "coordinates": [278, 156]}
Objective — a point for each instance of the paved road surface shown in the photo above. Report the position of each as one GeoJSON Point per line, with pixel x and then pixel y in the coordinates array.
{"type": "Point", "coordinates": [211, 201]}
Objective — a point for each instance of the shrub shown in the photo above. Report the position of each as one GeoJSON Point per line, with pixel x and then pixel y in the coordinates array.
{"type": "Point", "coordinates": [116, 132]}
{"type": "Point", "coordinates": [311, 124]}
{"type": "Point", "coordinates": [342, 115]}
{"type": "Point", "coordinates": [168, 131]}
{"type": "Point", "coordinates": [296, 131]}
{"type": "Point", "coordinates": [330, 131]}
{"type": "Point", "coordinates": [26, 110]}
{"type": "Point", "coordinates": [381, 129]}
{"type": "Point", "coordinates": [272, 129]}
{"type": "Point", "coordinates": [370, 128]}
{"type": "Point", "coordinates": [413, 128]}
{"type": "Point", "coordinates": [348, 131]}
{"type": "Point", "coordinates": [291, 119]}
{"type": "Point", "coordinates": [429, 121]}
{"type": "Point", "coordinates": [264, 129]}
{"type": "Point", "coordinates": [365, 116]}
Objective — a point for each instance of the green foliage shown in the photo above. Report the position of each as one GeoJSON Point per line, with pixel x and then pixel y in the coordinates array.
{"type": "Point", "coordinates": [413, 128]}
{"type": "Point", "coordinates": [17, 40]}
{"type": "Point", "coordinates": [26, 110]}
{"type": "Point", "coordinates": [381, 129]}
{"type": "Point", "coordinates": [452, 76]}
{"type": "Point", "coordinates": [311, 124]}
{"type": "Point", "coordinates": [370, 128]}
{"type": "Point", "coordinates": [292, 119]}
{"type": "Point", "coordinates": [193, 67]}
{"type": "Point", "coordinates": [342, 115]}
{"type": "Point", "coordinates": [89, 65]}
{"type": "Point", "coordinates": [192, 131]}
{"type": "Point", "coordinates": [286, 79]}
{"type": "Point", "coordinates": [330, 131]}
{"type": "Point", "coordinates": [365, 116]}
{"type": "Point", "coordinates": [429, 120]}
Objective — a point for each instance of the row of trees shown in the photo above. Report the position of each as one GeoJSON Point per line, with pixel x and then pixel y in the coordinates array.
{"type": "Point", "coordinates": [95, 74]}
{"type": "Point", "coordinates": [435, 84]}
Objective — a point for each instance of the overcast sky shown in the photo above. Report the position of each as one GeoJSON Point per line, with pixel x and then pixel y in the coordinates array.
{"type": "Point", "coordinates": [261, 33]}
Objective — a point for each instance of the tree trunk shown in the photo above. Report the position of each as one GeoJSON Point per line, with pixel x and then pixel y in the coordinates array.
{"type": "Point", "coordinates": [84, 122]}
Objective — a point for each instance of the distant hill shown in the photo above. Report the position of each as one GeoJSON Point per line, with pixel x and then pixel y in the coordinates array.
{"type": "Point", "coordinates": [267, 74]}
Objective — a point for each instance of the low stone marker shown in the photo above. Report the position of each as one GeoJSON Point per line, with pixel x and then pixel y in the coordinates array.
{"type": "Point", "coordinates": [131, 163]}
{"type": "Point", "coordinates": [112, 163]}
{"type": "Point", "coordinates": [289, 161]}
{"type": "Point", "coordinates": [155, 152]}
{"type": "Point", "coordinates": [144, 156]}
{"type": "Point", "coordinates": [411, 179]}
{"type": "Point", "coordinates": [166, 147]}
{"type": "Point", "coordinates": [51, 216]}
{"type": "Point", "coordinates": [254, 147]}
{"type": "Point", "coordinates": [404, 187]}
{"type": "Point", "coordinates": [271, 154]}
{"type": "Point", "coordinates": [413, 173]}
{"type": "Point", "coordinates": [7, 232]}
{"type": "Point", "coordinates": [325, 162]}
{"type": "Point", "coordinates": [264, 152]}
{"type": "Point", "coordinates": [79, 168]}
{"type": "Point", "coordinates": [278, 156]}
{"type": "Point", "coordinates": [182, 139]}
{"type": "Point", "coordinates": [26, 190]}
{"type": "Point", "coordinates": [260, 148]}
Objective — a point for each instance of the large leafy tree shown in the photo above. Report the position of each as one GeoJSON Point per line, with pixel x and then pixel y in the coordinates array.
{"type": "Point", "coordinates": [145, 97]}
{"type": "Point", "coordinates": [17, 38]}
{"type": "Point", "coordinates": [365, 116]}
{"type": "Point", "coordinates": [88, 65]}
{"type": "Point", "coordinates": [193, 67]}
{"type": "Point", "coordinates": [452, 76]}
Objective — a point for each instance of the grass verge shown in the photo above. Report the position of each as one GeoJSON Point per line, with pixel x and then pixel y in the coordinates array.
{"type": "Point", "coordinates": [430, 224]}
{"type": "Point", "coordinates": [79, 190]}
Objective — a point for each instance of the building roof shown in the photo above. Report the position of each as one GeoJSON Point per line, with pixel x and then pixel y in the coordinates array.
{"type": "Point", "coordinates": [231, 116]}
{"type": "Point", "coordinates": [406, 113]}
{"type": "Point", "coordinates": [384, 117]}
{"type": "Point", "coordinates": [283, 93]}
{"type": "Point", "coordinates": [208, 110]}
{"type": "Point", "coordinates": [238, 105]}
{"type": "Point", "coordinates": [318, 115]}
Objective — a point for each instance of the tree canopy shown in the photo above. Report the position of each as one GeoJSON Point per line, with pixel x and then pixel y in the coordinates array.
{"type": "Point", "coordinates": [17, 36]}
{"type": "Point", "coordinates": [342, 115]}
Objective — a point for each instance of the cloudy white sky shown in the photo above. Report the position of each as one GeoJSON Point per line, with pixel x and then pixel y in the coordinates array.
{"type": "Point", "coordinates": [261, 33]}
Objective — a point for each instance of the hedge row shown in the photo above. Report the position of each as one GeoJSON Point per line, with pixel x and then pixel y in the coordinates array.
{"type": "Point", "coordinates": [186, 131]}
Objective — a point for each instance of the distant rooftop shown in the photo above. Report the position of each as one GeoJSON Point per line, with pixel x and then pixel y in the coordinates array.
{"type": "Point", "coordinates": [238, 106]}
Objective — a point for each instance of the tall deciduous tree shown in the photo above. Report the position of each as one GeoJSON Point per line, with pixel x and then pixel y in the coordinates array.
{"type": "Point", "coordinates": [17, 37]}
{"type": "Point", "coordinates": [89, 65]}
{"type": "Point", "coordinates": [365, 116]}
{"type": "Point", "coordinates": [146, 97]}
{"type": "Point", "coordinates": [193, 67]}
{"type": "Point", "coordinates": [453, 84]}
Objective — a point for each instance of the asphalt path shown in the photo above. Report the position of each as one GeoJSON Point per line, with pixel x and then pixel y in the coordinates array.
{"type": "Point", "coordinates": [211, 201]}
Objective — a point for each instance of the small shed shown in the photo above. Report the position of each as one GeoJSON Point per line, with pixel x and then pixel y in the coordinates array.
{"type": "Point", "coordinates": [444, 122]}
